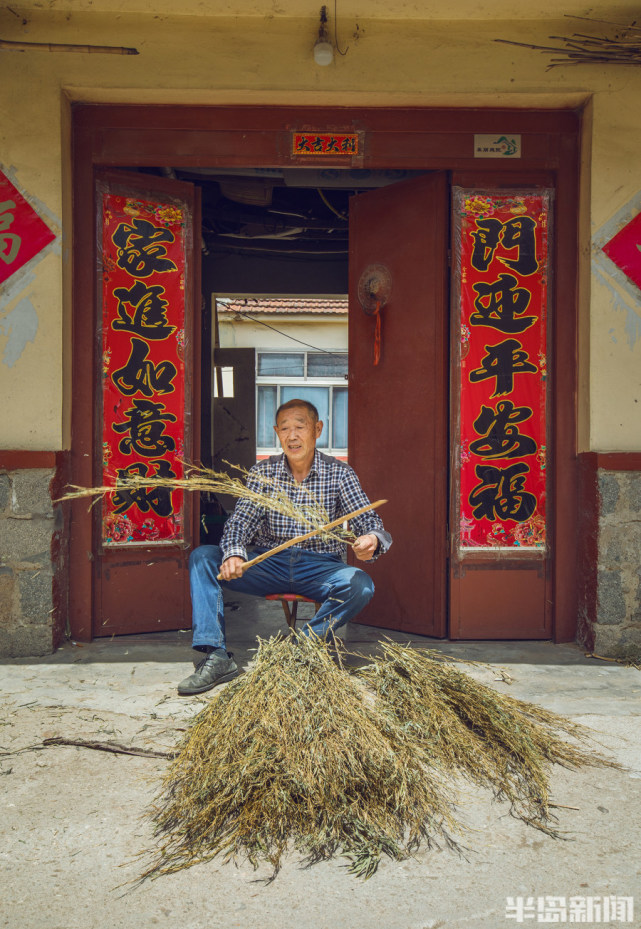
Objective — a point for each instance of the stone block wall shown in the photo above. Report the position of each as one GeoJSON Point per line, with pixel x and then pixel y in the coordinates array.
{"type": "Point", "coordinates": [617, 629]}
{"type": "Point", "coordinates": [29, 527]}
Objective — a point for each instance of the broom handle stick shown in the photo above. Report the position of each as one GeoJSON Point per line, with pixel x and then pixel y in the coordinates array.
{"type": "Point", "coordinates": [308, 535]}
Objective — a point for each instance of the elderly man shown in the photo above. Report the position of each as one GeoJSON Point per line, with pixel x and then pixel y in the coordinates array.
{"type": "Point", "coordinates": [314, 569]}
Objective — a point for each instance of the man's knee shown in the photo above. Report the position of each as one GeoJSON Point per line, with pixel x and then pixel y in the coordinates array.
{"type": "Point", "coordinates": [361, 586]}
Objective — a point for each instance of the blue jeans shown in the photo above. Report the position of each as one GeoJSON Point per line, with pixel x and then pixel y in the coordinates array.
{"type": "Point", "coordinates": [341, 590]}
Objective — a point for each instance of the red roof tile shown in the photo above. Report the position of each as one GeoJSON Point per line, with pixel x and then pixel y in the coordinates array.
{"type": "Point", "coordinates": [254, 305]}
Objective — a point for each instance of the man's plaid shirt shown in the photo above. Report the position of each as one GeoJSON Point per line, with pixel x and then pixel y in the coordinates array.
{"type": "Point", "coordinates": [332, 483]}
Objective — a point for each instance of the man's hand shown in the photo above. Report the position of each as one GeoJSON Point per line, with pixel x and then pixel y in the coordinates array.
{"type": "Point", "coordinates": [365, 547]}
{"type": "Point", "coordinates": [232, 568]}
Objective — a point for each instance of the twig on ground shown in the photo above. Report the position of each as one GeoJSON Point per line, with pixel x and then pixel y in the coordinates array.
{"type": "Point", "coordinates": [116, 747]}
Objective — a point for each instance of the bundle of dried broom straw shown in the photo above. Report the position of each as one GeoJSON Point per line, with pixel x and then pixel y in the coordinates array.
{"type": "Point", "coordinates": [299, 754]}
{"type": "Point", "coordinates": [256, 488]}
{"type": "Point", "coordinates": [293, 754]}
{"type": "Point", "coordinates": [490, 738]}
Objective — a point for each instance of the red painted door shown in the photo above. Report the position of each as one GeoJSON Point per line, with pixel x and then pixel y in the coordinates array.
{"type": "Point", "coordinates": [146, 410]}
{"type": "Point", "coordinates": [502, 488]}
{"type": "Point", "coordinates": [398, 408]}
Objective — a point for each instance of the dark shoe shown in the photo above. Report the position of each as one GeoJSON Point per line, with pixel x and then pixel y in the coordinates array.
{"type": "Point", "coordinates": [212, 670]}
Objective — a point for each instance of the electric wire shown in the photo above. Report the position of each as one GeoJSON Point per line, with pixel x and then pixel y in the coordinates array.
{"type": "Point", "coordinates": [338, 48]}
{"type": "Point", "coordinates": [287, 336]}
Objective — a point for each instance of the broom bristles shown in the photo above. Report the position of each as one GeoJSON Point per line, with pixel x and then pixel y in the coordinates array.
{"type": "Point", "coordinates": [299, 754]}
{"type": "Point", "coordinates": [309, 515]}
{"type": "Point", "coordinates": [492, 739]}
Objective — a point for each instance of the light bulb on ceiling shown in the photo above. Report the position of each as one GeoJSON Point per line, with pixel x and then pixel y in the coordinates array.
{"type": "Point", "coordinates": [323, 48]}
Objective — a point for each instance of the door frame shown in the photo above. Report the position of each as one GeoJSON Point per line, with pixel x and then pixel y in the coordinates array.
{"type": "Point", "coordinates": [420, 138]}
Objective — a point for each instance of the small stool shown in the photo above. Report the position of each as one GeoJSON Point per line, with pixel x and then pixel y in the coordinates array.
{"type": "Point", "coordinates": [290, 602]}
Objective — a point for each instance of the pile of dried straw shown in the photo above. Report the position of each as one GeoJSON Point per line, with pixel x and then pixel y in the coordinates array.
{"type": "Point", "coordinates": [299, 754]}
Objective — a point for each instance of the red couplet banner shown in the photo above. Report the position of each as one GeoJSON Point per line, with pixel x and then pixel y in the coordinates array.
{"type": "Point", "coordinates": [501, 252]}
{"type": "Point", "coordinates": [143, 372]}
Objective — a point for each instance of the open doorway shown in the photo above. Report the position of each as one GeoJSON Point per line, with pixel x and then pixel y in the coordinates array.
{"type": "Point", "coordinates": [274, 276]}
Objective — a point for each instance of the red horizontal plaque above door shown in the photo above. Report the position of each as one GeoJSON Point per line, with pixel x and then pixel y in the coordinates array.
{"type": "Point", "coordinates": [325, 143]}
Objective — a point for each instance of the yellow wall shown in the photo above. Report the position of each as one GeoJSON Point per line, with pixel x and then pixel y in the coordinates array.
{"type": "Point", "coordinates": [327, 333]}
{"type": "Point", "coordinates": [212, 60]}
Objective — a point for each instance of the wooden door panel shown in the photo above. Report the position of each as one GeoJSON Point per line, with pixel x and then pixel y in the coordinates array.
{"type": "Point", "coordinates": [143, 593]}
{"type": "Point", "coordinates": [398, 440]}
{"type": "Point", "coordinates": [500, 576]}
{"type": "Point", "coordinates": [498, 601]}
{"type": "Point", "coordinates": [140, 577]}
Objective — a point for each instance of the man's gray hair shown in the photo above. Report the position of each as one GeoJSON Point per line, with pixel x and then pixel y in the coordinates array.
{"type": "Point", "coordinates": [291, 404]}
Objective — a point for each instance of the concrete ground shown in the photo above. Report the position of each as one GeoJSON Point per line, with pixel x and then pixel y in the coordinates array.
{"type": "Point", "coordinates": [73, 818]}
